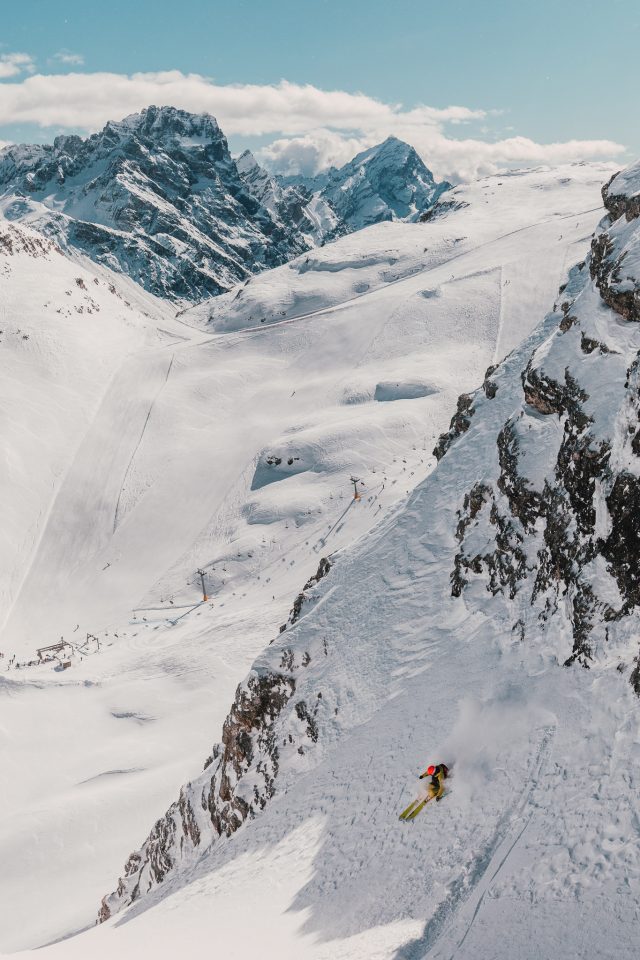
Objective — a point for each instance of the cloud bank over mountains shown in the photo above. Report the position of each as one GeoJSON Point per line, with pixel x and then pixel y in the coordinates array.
{"type": "Point", "coordinates": [312, 128]}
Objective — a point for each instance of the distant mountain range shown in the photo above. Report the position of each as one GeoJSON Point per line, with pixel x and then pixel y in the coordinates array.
{"type": "Point", "coordinates": [159, 197]}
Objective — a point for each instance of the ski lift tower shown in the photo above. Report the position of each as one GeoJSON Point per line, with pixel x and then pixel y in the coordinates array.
{"type": "Point", "coordinates": [355, 481]}
{"type": "Point", "coordinates": [204, 591]}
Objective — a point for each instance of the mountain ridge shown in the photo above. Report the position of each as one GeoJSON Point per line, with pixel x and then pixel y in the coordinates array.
{"type": "Point", "coordinates": [159, 197]}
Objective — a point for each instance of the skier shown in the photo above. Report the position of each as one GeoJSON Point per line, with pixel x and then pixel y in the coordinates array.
{"type": "Point", "coordinates": [438, 773]}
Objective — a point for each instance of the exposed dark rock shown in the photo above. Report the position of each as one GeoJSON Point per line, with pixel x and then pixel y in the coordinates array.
{"type": "Point", "coordinates": [588, 345]}
{"type": "Point", "coordinates": [523, 501]}
{"type": "Point", "coordinates": [472, 504]}
{"type": "Point", "coordinates": [620, 205]}
{"type": "Point", "coordinates": [488, 385]}
{"type": "Point", "coordinates": [460, 423]}
{"type": "Point", "coordinates": [247, 738]}
{"type": "Point", "coordinates": [606, 269]}
{"type": "Point", "coordinates": [302, 712]}
{"type": "Point", "coordinates": [505, 564]}
{"type": "Point", "coordinates": [548, 396]}
{"type": "Point", "coordinates": [296, 611]}
{"type": "Point", "coordinates": [567, 321]}
{"type": "Point", "coordinates": [441, 209]}
{"type": "Point", "coordinates": [622, 547]}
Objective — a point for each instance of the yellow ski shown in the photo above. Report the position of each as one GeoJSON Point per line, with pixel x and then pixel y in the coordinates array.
{"type": "Point", "coordinates": [407, 810]}
{"type": "Point", "coordinates": [414, 808]}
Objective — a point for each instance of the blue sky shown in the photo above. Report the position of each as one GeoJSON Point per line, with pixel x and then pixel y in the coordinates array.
{"type": "Point", "coordinates": [550, 72]}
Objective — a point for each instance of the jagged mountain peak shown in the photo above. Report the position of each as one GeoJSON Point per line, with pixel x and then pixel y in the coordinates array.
{"type": "Point", "coordinates": [388, 181]}
{"type": "Point", "coordinates": [246, 162]}
{"type": "Point", "coordinates": [159, 126]}
{"type": "Point", "coordinates": [168, 126]}
{"type": "Point", "coordinates": [392, 149]}
{"type": "Point", "coordinates": [156, 196]}
{"type": "Point", "coordinates": [159, 197]}
{"type": "Point", "coordinates": [153, 119]}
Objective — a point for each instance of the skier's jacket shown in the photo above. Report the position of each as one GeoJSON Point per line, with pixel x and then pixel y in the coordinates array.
{"type": "Point", "coordinates": [436, 786]}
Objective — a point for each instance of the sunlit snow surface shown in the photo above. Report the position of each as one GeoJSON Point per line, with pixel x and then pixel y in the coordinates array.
{"type": "Point", "coordinates": [144, 455]}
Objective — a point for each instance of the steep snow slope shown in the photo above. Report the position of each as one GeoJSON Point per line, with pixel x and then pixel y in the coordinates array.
{"type": "Point", "coordinates": [178, 470]}
{"type": "Point", "coordinates": [442, 636]}
{"type": "Point", "coordinates": [64, 331]}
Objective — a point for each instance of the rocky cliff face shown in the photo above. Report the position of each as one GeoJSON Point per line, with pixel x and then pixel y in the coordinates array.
{"type": "Point", "coordinates": [239, 776]}
{"type": "Point", "coordinates": [159, 198]}
{"type": "Point", "coordinates": [311, 216]}
{"type": "Point", "coordinates": [549, 523]}
{"type": "Point", "coordinates": [557, 526]}
{"type": "Point", "coordinates": [215, 804]}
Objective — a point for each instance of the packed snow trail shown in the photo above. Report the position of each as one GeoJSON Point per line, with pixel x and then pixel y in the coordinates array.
{"type": "Point", "coordinates": [135, 450]}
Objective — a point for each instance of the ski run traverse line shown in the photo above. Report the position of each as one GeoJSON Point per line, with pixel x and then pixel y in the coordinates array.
{"type": "Point", "coordinates": [137, 446]}
{"type": "Point", "coordinates": [342, 304]}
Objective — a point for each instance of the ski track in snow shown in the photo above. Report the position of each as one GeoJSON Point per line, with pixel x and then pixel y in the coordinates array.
{"type": "Point", "coordinates": [137, 446]}
{"type": "Point", "coordinates": [376, 292]}
{"type": "Point", "coordinates": [440, 939]}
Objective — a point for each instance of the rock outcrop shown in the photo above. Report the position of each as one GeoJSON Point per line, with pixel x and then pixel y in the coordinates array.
{"type": "Point", "coordinates": [239, 776]}
{"type": "Point", "coordinates": [615, 260]}
{"type": "Point", "coordinates": [460, 423]}
{"type": "Point", "coordinates": [306, 594]}
{"type": "Point", "coordinates": [556, 528]}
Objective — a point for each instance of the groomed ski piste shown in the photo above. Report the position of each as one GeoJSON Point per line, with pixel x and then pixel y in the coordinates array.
{"type": "Point", "coordinates": [173, 468]}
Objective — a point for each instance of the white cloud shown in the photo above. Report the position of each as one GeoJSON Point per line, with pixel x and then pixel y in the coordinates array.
{"type": "Point", "coordinates": [68, 58]}
{"type": "Point", "coordinates": [313, 127]}
{"type": "Point", "coordinates": [312, 152]}
{"type": "Point", "coordinates": [12, 64]}
{"type": "Point", "coordinates": [448, 158]}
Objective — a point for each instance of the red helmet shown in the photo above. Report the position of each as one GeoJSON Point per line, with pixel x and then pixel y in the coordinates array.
{"type": "Point", "coordinates": [431, 770]}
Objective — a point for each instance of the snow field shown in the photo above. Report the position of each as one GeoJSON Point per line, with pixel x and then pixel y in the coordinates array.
{"type": "Point", "coordinates": [168, 473]}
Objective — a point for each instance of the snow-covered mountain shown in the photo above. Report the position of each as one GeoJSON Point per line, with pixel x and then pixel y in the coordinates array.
{"type": "Point", "coordinates": [159, 198]}
{"type": "Point", "coordinates": [295, 204]}
{"type": "Point", "coordinates": [385, 182]}
{"type": "Point", "coordinates": [156, 196]}
{"type": "Point", "coordinates": [224, 441]}
{"type": "Point", "coordinates": [516, 556]}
